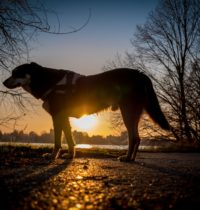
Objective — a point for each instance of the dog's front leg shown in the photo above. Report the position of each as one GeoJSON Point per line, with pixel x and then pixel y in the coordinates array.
{"type": "Point", "coordinates": [57, 124]}
{"type": "Point", "coordinates": [70, 141]}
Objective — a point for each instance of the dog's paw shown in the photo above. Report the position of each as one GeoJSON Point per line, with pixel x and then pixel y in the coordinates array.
{"type": "Point", "coordinates": [124, 158]}
{"type": "Point", "coordinates": [70, 155]}
{"type": "Point", "coordinates": [54, 155]}
{"type": "Point", "coordinates": [67, 156]}
{"type": "Point", "coordinates": [57, 153]}
{"type": "Point", "coordinates": [49, 156]}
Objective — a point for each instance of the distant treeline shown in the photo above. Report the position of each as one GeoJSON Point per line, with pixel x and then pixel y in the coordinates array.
{"type": "Point", "coordinates": [79, 137]}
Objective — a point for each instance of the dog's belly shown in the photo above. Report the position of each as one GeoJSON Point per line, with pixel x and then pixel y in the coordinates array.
{"type": "Point", "coordinates": [85, 109]}
{"type": "Point", "coordinates": [94, 101]}
{"type": "Point", "coordinates": [74, 105]}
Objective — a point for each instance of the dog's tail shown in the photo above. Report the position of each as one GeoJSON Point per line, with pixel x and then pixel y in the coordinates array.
{"type": "Point", "coordinates": [152, 106]}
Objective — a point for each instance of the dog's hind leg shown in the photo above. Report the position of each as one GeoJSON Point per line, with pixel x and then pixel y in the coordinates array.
{"type": "Point", "coordinates": [131, 115]}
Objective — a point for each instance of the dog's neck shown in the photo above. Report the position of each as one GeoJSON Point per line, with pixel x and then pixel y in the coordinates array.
{"type": "Point", "coordinates": [27, 88]}
{"type": "Point", "coordinates": [69, 80]}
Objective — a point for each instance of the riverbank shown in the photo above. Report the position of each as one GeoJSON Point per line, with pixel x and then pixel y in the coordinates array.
{"type": "Point", "coordinates": [145, 146]}
{"type": "Point", "coordinates": [96, 180]}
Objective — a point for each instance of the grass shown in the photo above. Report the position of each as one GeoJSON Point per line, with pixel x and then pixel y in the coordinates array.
{"type": "Point", "coordinates": [35, 151]}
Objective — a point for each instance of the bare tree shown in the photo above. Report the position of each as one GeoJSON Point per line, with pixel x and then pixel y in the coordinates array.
{"type": "Point", "coordinates": [170, 39]}
{"type": "Point", "coordinates": [193, 99]}
{"type": "Point", "coordinates": [20, 21]}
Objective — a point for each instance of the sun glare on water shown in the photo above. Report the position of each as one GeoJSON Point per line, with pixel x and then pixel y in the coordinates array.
{"type": "Point", "coordinates": [85, 123]}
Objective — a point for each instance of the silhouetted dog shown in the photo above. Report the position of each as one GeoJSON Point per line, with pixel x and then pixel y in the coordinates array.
{"type": "Point", "coordinates": [68, 94]}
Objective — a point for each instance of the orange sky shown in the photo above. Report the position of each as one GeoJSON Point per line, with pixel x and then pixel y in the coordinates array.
{"type": "Point", "coordinates": [40, 121]}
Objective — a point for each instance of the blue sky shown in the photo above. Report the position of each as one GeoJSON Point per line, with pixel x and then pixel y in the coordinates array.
{"type": "Point", "coordinates": [112, 24]}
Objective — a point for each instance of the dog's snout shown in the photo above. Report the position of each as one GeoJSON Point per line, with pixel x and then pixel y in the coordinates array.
{"type": "Point", "coordinates": [5, 82]}
{"type": "Point", "coordinates": [10, 83]}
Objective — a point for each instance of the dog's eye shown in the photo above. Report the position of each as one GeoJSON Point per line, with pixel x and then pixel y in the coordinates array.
{"type": "Point", "coordinates": [14, 71]}
{"type": "Point", "coordinates": [16, 74]}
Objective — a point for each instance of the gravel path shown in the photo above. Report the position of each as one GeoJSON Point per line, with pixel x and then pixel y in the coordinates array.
{"type": "Point", "coordinates": [155, 181]}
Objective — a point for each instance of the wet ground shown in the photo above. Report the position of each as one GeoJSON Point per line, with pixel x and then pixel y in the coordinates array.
{"type": "Point", "coordinates": [98, 181]}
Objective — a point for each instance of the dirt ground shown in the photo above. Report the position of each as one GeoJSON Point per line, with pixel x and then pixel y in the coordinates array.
{"type": "Point", "coordinates": [97, 181]}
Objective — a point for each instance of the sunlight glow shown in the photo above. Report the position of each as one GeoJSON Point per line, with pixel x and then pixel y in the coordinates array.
{"type": "Point", "coordinates": [85, 123]}
{"type": "Point", "coordinates": [84, 146]}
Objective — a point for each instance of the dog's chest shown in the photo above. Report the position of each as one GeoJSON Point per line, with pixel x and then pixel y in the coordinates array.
{"type": "Point", "coordinates": [27, 88]}
{"type": "Point", "coordinates": [57, 97]}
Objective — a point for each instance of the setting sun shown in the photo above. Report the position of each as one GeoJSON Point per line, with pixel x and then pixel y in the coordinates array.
{"type": "Point", "coordinates": [84, 123]}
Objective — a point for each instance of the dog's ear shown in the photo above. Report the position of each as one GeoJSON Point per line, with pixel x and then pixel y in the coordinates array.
{"type": "Point", "coordinates": [35, 64]}
{"type": "Point", "coordinates": [28, 76]}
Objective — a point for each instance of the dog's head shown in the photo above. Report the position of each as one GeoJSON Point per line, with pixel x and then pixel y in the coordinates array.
{"type": "Point", "coordinates": [21, 76]}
